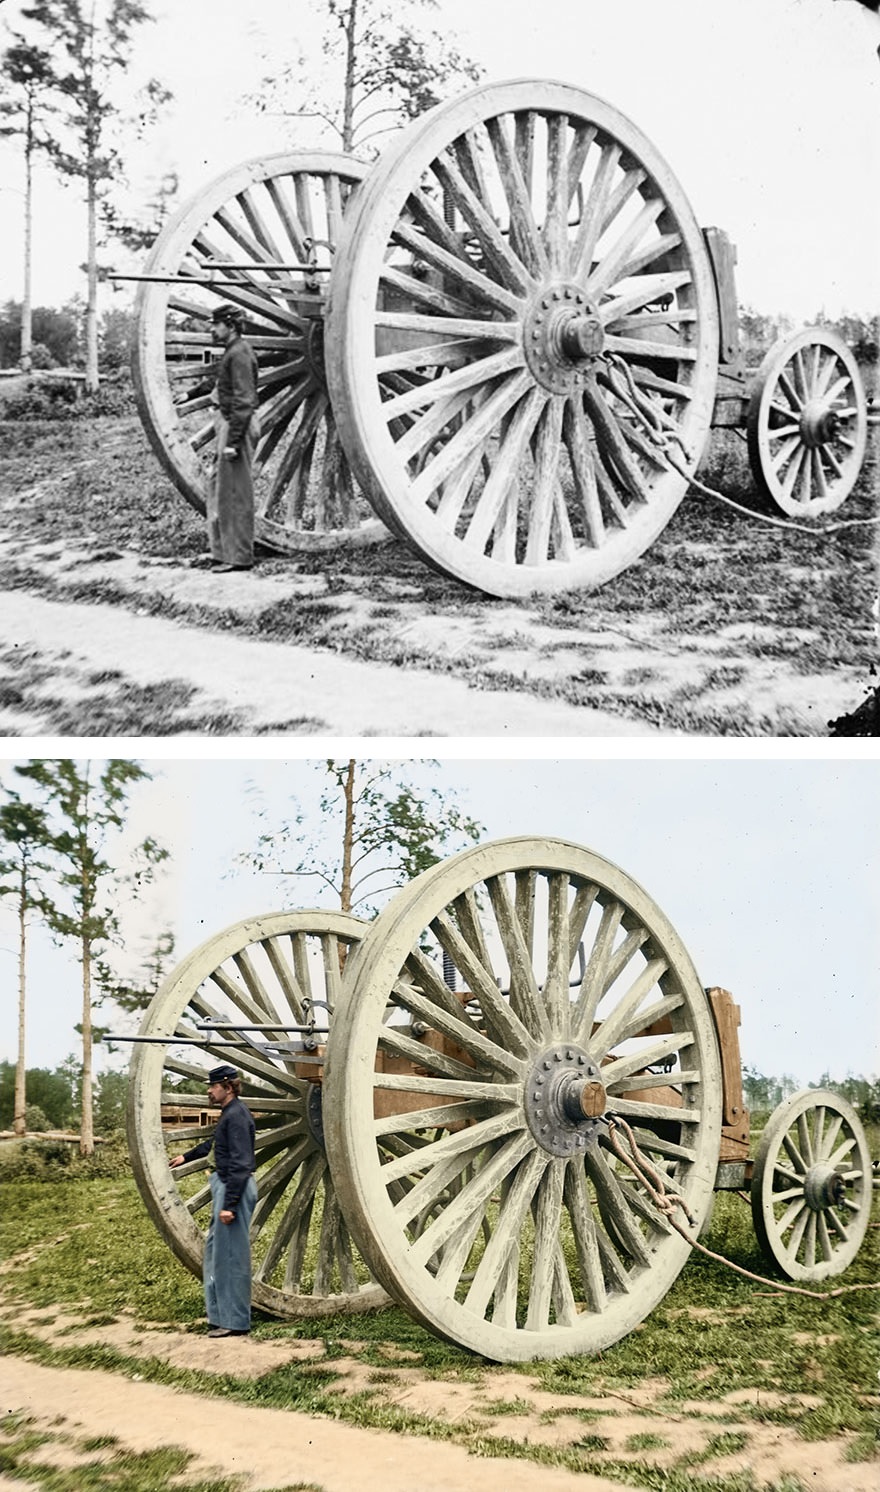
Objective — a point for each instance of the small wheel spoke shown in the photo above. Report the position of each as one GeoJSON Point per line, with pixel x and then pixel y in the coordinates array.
{"type": "Point", "coordinates": [473, 433]}
{"type": "Point", "coordinates": [473, 1194]}
{"type": "Point", "coordinates": [613, 1207]}
{"type": "Point", "coordinates": [584, 247]}
{"type": "Point", "coordinates": [524, 234]}
{"type": "Point", "coordinates": [548, 1215]}
{"type": "Point", "coordinates": [510, 270]}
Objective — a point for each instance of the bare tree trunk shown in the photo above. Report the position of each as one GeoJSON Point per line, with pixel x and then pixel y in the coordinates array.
{"type": "Point", "coordinates": [92, 304]}
{"type": "Point", "coordinates": [348, 102]}
{"type": "Point", "coordinates": [26, 318]}
{"type": "Point", "coordinates": [19, 1119]}
{"type": "Point", "coordinates": [87, 1132]}
{"type": "Point", "coordinates": [347, 839]}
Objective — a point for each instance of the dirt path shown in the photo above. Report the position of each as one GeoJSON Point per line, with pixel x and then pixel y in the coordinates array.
{"type": "Point", "coordinates": [272, 1447]}
{"type": "Point", "coordinates": [264, 685]}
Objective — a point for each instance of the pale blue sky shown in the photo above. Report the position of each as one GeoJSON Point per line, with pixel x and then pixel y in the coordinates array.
{"type": "Point", "coordinates": [768, 870]}
{"type": "Point", "coordinates": [765, 110]}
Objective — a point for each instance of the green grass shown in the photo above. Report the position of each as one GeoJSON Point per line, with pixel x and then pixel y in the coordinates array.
{"type": "Point", "coordinates": [88, 1248]}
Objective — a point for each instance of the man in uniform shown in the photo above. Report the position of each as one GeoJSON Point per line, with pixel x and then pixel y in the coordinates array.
{"type": "Point", "coordinates": [227, 1262]}
{"type": "Point", "coordinates": [231, 493]}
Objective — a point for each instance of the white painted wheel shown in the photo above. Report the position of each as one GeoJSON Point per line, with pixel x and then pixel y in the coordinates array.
{"type": "Point", "coordinates": [484, 1196]}
{"type": "Point", "coordinates": [519, 273]}
{"type": "Point", "coordinates": [284, 967]}
{"type": "Point", "coordinates": [811, 1188]}
{"type": "Point", "coordinates": [807, 423]}
{"type": "Point", "coordinates": [276, 209]}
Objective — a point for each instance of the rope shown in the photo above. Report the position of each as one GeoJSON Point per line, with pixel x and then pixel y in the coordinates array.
{"type": "Point", "coordinates": [666, 1202]}
{"type": "Point", "coordinates": [663, 433]}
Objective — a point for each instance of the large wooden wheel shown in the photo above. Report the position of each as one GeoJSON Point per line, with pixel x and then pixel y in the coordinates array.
{"type": "Point", "coordinates": [285, 967]}
{"type": "Point", "coordinates": [812, 1185]}
{"type": "Point", "coordinates": [807, 423]}
{"type": "Point", "coordinates": [500, 1010]}
{"type": "Point", "coordinates": [522, 315]}
{"type": "Point", "coordinates": [279, 209]}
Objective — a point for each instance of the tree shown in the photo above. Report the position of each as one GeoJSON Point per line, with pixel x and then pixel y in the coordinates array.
{"type": "Point", "coordinates": [23, 859]}
{"type": "Point", "coordinates": [27, 70]}
{"type": "Point", "coordinates": [86, 52]}
{"type": "Point", "coordinates": [85, 811]}
{"type": "Point", "coordinates": [385, 827]}
{"type": "Point", "coordinates": [49, 1092]}
{"type": "Point", "coordinates": [380, 68]}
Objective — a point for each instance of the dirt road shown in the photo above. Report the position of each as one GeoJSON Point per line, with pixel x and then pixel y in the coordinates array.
{"type": "Point", "coordinates": [271, 1447]}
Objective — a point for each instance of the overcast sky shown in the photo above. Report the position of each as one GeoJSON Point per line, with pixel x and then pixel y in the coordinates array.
{"type": "Point", "coordinates": [768, 869]}
{"type": "Point", "coordinates": [766, 111]}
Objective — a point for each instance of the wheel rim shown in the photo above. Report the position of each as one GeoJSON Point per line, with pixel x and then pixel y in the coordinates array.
{"type": "Point", "coordinates": [473, 345]}
{"type": "Point", "coordinates": [514, 1240]}
{"type": "Point", "coordinates": [284, 209]}
{"type": "Point", "coordinates": [283, 967]}
{"type": "Point", "coordinates": [808, 423]}
{"type": "Point", "coordinates": [812, 1186]}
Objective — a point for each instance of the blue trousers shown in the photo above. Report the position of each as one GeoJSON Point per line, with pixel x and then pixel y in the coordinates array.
{"type": "Point", "coordinates": [226, 1270]}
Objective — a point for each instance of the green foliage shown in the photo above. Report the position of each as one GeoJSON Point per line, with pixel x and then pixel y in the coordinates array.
{"type": "Point", "coordinates": [49, 1092]}
{"type": "Point", "coordinates": [388, 823]}
{"type": "Point", "coordinates": [51, 1161]}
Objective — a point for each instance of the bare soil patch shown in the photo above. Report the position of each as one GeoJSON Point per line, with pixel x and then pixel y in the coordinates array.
{"type": "Point", "coordinates": [272, 1447]}
{"type": "Point", "coordinates": [727, 626]}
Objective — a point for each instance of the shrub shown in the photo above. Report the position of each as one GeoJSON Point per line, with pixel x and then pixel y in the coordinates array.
{"type": "Point", "coordinates": [56, 1160]}
{"type": "Point", "coordinates": [38, 400]}
{"type": "Point", "coordinates": [35, 1120]}
{"type": "Point", "coordinates": [41, 357]}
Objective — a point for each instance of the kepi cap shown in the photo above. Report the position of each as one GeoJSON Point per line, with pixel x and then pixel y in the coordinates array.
{"type": "Point", "coordinates": [222, 1074]}
{"type": "Point", "coordinates": [232, 314]}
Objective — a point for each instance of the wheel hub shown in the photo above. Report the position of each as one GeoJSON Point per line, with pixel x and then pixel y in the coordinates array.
{"type": "Point", "coordinates": [563, 336]}
{"type": "Point", "coordinates": [564, 1100]}
{"type": "Point", "coordinates": [819, 423]}
{"type": "Point", "coordinates": [313, 348]}
{"type": "Point", "coordinates": [823, 1187]}
{"type": "Point", "coordinates": [314, 1114]}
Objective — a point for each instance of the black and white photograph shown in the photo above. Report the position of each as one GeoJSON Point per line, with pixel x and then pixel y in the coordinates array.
{"type": "Point", "coordinates": [439, 369]}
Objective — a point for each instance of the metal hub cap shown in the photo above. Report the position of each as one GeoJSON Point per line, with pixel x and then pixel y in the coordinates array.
{"type": "Point", "coordinates": [564, 1100]}
{"type": "Point", "coordinates": [563, 336]}
{"type": "Point", "coordinates": [313, 348]}
{"type": "Point", "coordinates": [314, 1114]}
{"type": "Point", "coordinates": [823, 1187]}
{"type": "Point", "coordinates": [819, 423]}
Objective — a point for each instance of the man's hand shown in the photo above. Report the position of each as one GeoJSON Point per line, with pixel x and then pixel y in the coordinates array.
{"type": "Point", "coordinates": [231, 452]}
{"type": "Point", "coordinates": [177, 1161]}
{"type": "Point", "coordinates": [226, 1216]}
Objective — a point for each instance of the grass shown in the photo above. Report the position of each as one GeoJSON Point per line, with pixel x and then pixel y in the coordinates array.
{"type": "Point", "coordinates": [794, 604]}
{"type": "Point", "coordinates": [87, 1249]}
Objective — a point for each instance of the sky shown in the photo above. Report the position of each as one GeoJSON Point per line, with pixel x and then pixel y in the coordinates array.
{"type": "Point", "coordinates": [768, 870]}
{"type": "Point", "coordinates": [765, 110]}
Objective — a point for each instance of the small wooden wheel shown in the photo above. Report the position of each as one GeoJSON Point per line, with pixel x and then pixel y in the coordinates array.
{"type": "Point", "coordinates": [522, 316]}
{"type": "Point", "coordinates": [278, 209]}
{"type": "Point", "coordinates": [808, 423]}
{"type": "Point", "coordinates": [283, 967]}
{"type": "Point", "coordinates": [812, 1185]}
{"type": "Point", "coordinates": [501, 1009]}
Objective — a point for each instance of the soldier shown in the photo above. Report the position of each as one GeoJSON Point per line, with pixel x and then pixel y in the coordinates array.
{"type": "Point", "coordinates": [227, 1262]}
{"type": "Point", "coordinates": [231, 493]}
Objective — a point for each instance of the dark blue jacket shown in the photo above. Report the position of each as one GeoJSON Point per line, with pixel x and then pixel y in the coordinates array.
{"type": "Point", "coordinates": [234, 1157]}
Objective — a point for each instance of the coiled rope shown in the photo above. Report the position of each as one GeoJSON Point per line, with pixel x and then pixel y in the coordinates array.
{"type": "Point", "coordinates": [663, 435]}
{"type": "Point", "coordinates": [667, 1202]}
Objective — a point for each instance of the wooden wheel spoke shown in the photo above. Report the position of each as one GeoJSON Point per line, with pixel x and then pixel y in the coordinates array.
{"type": "Point", "coordinates": [293, 1225]}
{"type": "Point", "coordinates": [525, 996]}
{"type": "Point", "coordinates": [461, 271]}
{"type": "Point", "coordinates": [473, 432]}
{"type": "Point", "coordinates": [614, 1208]}
{"type": "Point", "coordinates": [548, 1215]}
{"type": "Point", "coordinates": [437, 1116]}
{"type": "Point", "coordinates": [584, 247]}
{"type": "Point", "coordinates": [558, 196]}
{"type": "Point", "coordinates": [593, 983]}
{"type": "Point", "coordinates": [514, 443]}
{"type": "Point", "coordinates": [548, 439]}
{"type": "Point", "coordinates": [524, 234]}
{"type": "Point", "coordinates": [611, 442]}
{"type": "Point", "coordinates": [480, 980]}
{"type": "Point", "coordinates": [639, 347]}
{"type": "Point", "coordinates": [474, 1194]}
{"type": "Point", "coordinates": [476, 373]}
{"type": "Point", "coordinates": [622, 257]}
{"type": "Point", "coordinates": [452, 1145]}
{"type": "Point", "coordinates": [637, 1109]}
{"type": "Point", "coordinates": [505, 1236]}
{"type": "Point", "coordinates": [421, 292]}
{"type": "Point", "coordinates": [623, 1067]}
{"type": "Point", "coordinates": [649, 288]}
{"type": "Point", "coordinates": [500, 258]}
{"type": "Point", "coordinates": [459, 1030]}
{"type": "Point", "coordinates": [394, 1041]}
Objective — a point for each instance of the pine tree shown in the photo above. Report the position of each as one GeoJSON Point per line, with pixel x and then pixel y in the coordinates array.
{"type": "Point", "coordinates": [24, 862]}
{"type": "Point", "coordinates": [24, 112]}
